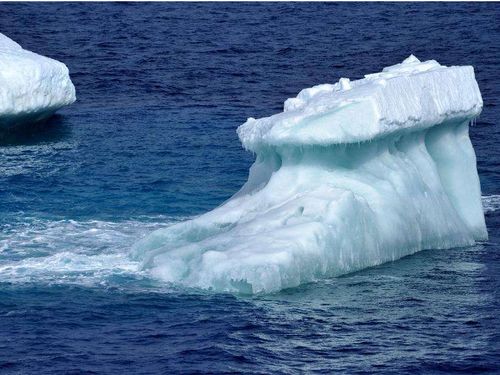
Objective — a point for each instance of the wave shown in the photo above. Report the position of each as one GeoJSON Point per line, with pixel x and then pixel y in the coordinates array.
{"type": "Point", "coordinates": [69, 251]}
{"type": "Point", "coordinates": [491, 203]}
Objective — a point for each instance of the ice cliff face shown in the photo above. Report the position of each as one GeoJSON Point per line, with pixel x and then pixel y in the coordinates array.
{"type": "Point", "coordinates": [32, 87]}
{"type": "Point", "coordinates": [349, 176]}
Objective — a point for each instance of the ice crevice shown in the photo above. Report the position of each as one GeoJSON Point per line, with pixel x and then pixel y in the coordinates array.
{"type": "Point", "coordinates": [348, 176]}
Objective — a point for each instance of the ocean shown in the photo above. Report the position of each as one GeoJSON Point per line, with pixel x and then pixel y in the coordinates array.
{"type": "Point", "coordinates": [151, 141]}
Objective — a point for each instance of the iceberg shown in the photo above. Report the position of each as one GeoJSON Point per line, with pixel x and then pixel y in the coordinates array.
{"type": "Point", "coordinates": [350, 175]}
{"type": "Point", "coordinates": [32, 87]}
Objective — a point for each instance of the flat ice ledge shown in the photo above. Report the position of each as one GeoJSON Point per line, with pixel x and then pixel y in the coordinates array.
{"type": "Point", "coordinates": [32, 87]}
{"type": "Point", "coordinates": [410, 95]}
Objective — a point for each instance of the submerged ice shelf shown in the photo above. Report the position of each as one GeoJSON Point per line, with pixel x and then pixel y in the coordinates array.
{"type": "Point", "coordinates": [32, 87]}
{"type": "Point", "coordinates": [349, 176]}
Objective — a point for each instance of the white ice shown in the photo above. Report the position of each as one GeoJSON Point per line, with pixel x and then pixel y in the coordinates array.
{"type": "Point", "coordinates": [349, 176]}
{"type": "Point", "coordinates": [32, 87]}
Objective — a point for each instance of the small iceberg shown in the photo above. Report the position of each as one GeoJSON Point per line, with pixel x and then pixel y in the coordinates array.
{"type": "Point", "coordinates": [32, 87]}
{"type": "Point", "coordinates": [350, 175]}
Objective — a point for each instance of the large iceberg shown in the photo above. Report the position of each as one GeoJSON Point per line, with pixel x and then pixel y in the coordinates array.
{"type": "Point", "coordinates": [348, 176]}
{"type": "Point", "coordinates": [32, 87]}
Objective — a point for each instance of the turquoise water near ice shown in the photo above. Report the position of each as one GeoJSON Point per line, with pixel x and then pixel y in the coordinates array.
{"type": "Point", "coordinates": [151, 141]}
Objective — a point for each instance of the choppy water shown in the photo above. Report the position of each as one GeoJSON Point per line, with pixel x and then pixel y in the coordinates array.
{"type": "Point", "coordinates": [151, 140]}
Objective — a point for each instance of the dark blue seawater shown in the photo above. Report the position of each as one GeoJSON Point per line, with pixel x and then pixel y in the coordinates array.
{"type": "Point", "coordinates": [151, 140]}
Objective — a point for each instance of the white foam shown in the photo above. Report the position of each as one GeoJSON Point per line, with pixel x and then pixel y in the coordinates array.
{"type": "Point", "coordinates": [69, 251]}
{"type": "Point", "coordinates": [32, 87]}
{"type": "Point", "coordinates": [491, 203]}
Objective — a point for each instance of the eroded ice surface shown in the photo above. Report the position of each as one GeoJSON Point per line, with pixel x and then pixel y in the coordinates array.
{"type": "Point", "coordinates": [32, 87]}
{"type": "Point", "coordinates": [349, 176]}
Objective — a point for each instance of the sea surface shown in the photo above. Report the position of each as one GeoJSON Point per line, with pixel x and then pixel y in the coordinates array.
{"type": "Point", "coordinates": [151, 141]}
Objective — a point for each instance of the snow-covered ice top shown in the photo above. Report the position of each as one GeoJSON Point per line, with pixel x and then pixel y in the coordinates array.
{"type": "Point", "coordinates": [32, 87]}
{"type": "Point", "coordinates": [409, 95]}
